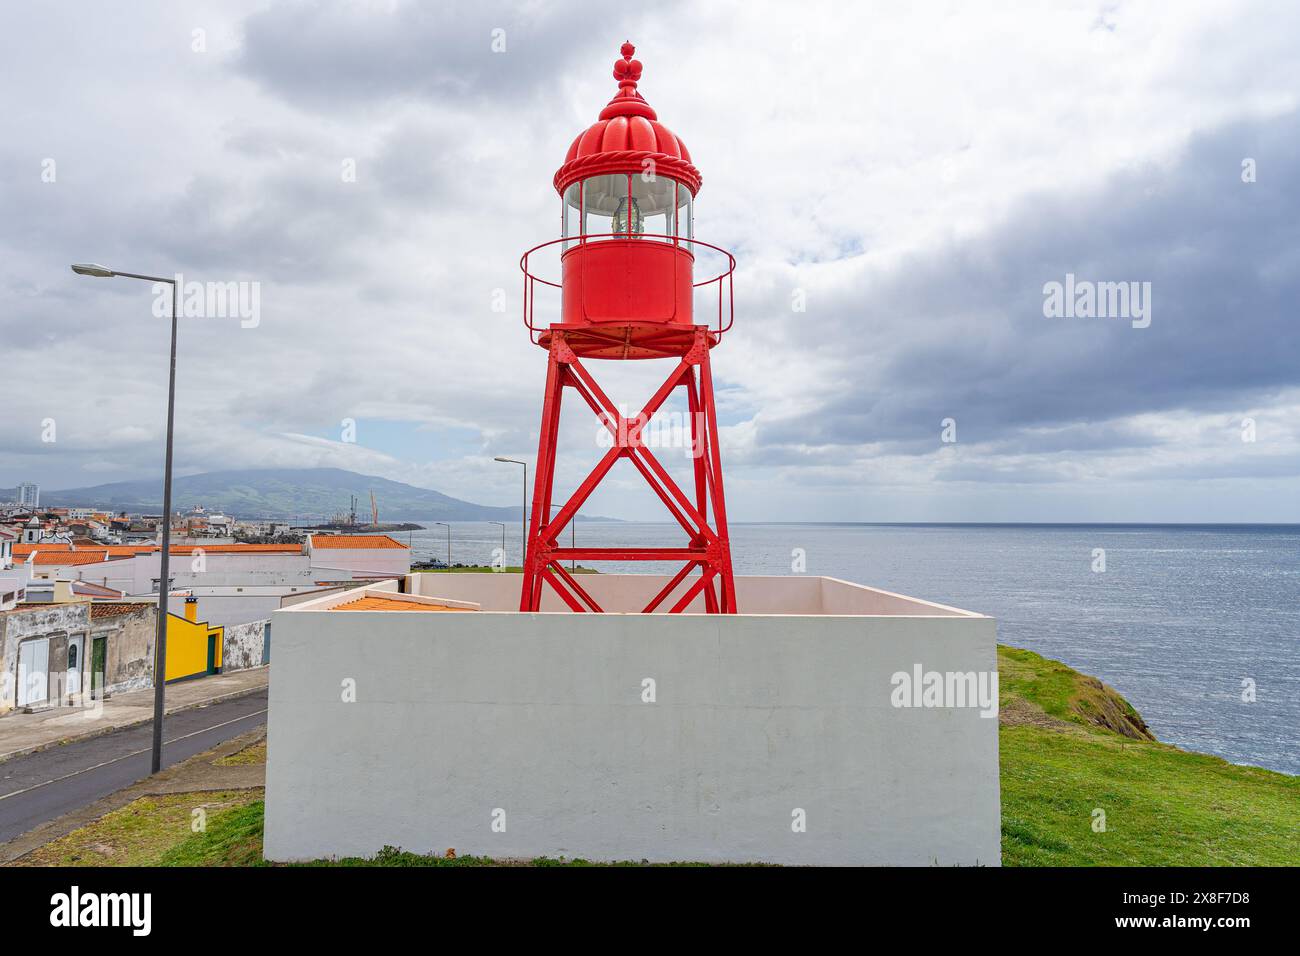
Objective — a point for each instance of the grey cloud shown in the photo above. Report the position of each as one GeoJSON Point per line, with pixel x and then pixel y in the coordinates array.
{"type": "Point", "coordinates": [323, 55]}
{"type": "Point", "coordinates": [960, 332]}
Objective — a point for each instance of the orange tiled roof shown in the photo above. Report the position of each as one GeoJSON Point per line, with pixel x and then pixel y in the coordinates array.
{"type": "Point", "coordinates": [391, 604]}
{"type": "Point", "coordinates": [114, 550]}
{"type": "Point", "coordinates": [22, 550]}
{"type": "Point", "coordinates": [114, 609]}
{"type": "Point", "coordinates": [71, 557]}
{"type": "Point", "coordinates": [365, 541]}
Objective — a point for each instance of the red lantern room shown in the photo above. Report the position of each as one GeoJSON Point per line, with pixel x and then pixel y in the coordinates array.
{"type": "Point", "coordinates": [628, 291]}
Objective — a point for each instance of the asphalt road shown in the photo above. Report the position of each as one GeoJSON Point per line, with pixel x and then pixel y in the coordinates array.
{"type": "Point", "coordinates": [45, 785]}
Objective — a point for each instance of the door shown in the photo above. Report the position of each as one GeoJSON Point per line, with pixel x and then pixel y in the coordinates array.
{"type": "Point", "coordinates": [33, 672]}
{"type": "Point", "coordinates": [98, 654]}
{"type": "Point", "coordinates": [212, 653]}
{"type": "Point", "coordinates": [76, 664]}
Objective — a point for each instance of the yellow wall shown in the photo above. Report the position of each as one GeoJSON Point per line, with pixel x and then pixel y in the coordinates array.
{"type": "Point", "coordinates": [187, 647]}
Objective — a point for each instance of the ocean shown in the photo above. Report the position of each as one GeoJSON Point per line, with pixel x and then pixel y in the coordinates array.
{"type": "Point", "coordinates": [1179, 621]}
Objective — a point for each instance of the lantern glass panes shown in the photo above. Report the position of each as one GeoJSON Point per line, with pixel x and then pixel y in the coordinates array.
{"type": "Point", "coordinates": [571, 213]}
{"type": "Point", "coordinates": [601, 199]}
{"type": "Point", "coordinates": [629, 206]}
{"type": "Point", "coordinates": [685, 224]}
{"type": "Point", "coordinates": [652, 197]}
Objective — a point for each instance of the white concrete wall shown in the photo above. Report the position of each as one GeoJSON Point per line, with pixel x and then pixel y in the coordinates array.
{"type": "Point", "coordinates": [229, 605]}
{"type": "Point", "coordinates": [458, 714]}
{"type": "Point", "coordinates": [369, 560]}
{"type": "Point", "coordinates": [241, 646]}
{"type": "Point", "coordinates": [252, 569]}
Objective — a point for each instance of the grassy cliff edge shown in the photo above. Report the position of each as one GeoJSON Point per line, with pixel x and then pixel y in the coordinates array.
{"type": "Point", "coordinates": [1085, 783]}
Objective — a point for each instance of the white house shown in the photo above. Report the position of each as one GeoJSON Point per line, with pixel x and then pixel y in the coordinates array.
{"type": "Point", "coordinates": [13, 577]}
{"type": "Point", "coordinates": [366, 554]}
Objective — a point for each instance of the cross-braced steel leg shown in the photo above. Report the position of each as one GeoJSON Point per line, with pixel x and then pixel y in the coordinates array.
{"type": "Point", "coordinates": [703, 519]}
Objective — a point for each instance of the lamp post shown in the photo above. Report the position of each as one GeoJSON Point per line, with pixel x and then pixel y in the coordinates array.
{"type": "Point", "coordinates": [503, 543]}
{"type": "Point", "coordinates": [523, 517]}
{"type": "Point", "coordinates": [164, 579]}
{"type": "Point", "coordinates": [448, 527]}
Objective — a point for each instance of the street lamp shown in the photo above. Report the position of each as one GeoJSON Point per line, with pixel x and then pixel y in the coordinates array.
{"type": "Point", "coordinates": [523, 516]}
{"type": "Point", "coordinates": [164, 580]}
{"type": "Point", "coordinates": [503, 542]}
{"type": "Point", "coordinates": [448, 527]}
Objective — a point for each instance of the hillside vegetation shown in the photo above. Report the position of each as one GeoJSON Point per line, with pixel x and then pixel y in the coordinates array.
{"type": "Point", "coordinates": [1073, 749]}
{"type": "Point", "coordinates": [284, 493]}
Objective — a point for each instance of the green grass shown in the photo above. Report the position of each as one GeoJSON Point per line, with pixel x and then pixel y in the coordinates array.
{"type": "Point", "coordinates": [232, 838]}
{"type": "Point", "coordinates": [252, 754]}
{"type": "Point", "coordinates": [143, 831]}
{"type": "Point", "coordinates": [1163, 806]}
{"type": "Point", "coordinates": [1027, 681]}
{"type": "Point", "coordinates": [1049, 684]}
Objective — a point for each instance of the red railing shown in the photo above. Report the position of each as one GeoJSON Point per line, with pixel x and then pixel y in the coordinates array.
{"type": "Point", "coordinates": [530, 280]}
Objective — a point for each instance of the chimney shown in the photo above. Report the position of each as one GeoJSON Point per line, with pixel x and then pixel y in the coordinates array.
{"type": "Point", "coordinates": [192, 609]}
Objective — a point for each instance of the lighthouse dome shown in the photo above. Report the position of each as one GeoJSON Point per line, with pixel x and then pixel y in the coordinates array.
{"type": "Point", "coordinates": [627, 134]}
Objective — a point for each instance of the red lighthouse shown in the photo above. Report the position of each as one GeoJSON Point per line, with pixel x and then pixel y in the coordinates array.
{"type": "Point", "coordinates": [628, 291]}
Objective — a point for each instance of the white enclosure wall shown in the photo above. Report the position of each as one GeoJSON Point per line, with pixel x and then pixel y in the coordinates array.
{"type": "Point", "coordinates": [540, 721]}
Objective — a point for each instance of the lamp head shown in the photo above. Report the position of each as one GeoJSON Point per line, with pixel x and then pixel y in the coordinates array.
{"type": "Point", "coordinates": [632, 225]}
{"type": "Point", "coordinates": [92, 269]}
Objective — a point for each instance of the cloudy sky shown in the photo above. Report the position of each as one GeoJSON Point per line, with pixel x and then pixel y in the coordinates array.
{"type": "Point", "coordinates": [898, 181]}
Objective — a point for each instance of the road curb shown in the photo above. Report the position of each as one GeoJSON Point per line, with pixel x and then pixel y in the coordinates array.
{"type": "Point", "coordinates": [101, 731]}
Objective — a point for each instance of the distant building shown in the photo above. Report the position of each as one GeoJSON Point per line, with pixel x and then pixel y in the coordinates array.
{"type": "Point", "coordinates": [36, 533]}
{"type": "Point", "coordinates": [193, 646]}
{"type": "Point", "coordinates": [29, 495]}
{"type": "Point", "coordinates": [235, 583]}
{"type": "Point", "coordinates": [59, 653]}
{"type": "Point", "coordinates": [369, 554]}
{"type": "Point", "coordinates": [13, 579]}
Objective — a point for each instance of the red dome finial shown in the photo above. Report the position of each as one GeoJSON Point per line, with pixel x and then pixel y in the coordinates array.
{"type": "Point", "coordinates": [627, 70]}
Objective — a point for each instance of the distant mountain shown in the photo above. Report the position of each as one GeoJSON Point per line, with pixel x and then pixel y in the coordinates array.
{"type": "Point", "coordinates": [308, 493]}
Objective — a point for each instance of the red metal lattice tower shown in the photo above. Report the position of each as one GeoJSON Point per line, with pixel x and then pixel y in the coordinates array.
{"type": "Point", "coordinates": [628, 290]}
